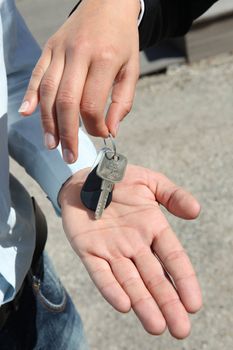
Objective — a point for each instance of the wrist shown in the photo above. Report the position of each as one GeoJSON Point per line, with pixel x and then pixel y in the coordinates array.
{"type": "Point", "coordinates": [75, 180]}
{"type": "Point", "coordinates": [138, 6]}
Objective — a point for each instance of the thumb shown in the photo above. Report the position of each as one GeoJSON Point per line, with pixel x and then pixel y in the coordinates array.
{"type": "Point", "coordinates": [175, 199]}
{"type": "Point", "coordinates": [122, 97]}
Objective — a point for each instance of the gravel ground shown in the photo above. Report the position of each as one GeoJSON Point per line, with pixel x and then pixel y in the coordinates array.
{"type": "Point", "coordinates": [181, 125]}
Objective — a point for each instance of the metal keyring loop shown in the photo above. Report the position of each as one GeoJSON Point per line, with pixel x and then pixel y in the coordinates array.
{"type": "Point", "coordinates": [113, 145]}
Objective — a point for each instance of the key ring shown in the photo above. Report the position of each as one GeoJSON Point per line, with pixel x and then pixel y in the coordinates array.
{"type": "Point", "coordinates": [113, 146]}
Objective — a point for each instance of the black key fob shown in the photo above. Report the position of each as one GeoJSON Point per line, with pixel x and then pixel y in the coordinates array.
{"type": "Point", "coordinates": [91, 190]}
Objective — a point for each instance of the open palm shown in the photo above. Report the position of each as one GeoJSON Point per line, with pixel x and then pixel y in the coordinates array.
{"type": "Point", "coordinates": [132, 254]}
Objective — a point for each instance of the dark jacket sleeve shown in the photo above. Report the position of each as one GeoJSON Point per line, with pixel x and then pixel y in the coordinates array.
{"type": "Point", "coordinates": [165, 19]}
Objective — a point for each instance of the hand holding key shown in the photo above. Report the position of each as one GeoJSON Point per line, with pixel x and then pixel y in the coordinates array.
{"type": "Point", "coordinates": [93, 55]}
{"type": "Point", "coordinates": [109, 169]}
{"type": "Point", "coordinates": [132, 250]}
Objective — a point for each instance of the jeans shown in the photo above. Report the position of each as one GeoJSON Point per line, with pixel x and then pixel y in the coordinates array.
{"type": "Point", "coordinates": [46, 318]}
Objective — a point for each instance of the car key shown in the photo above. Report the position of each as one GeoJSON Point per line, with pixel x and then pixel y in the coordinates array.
{"type": "Point", "coordinates": [91, 189]}
{"type": "Point", "coordinates": [111, 169]}
{"type": "Point", "coordinates": [96, 194]}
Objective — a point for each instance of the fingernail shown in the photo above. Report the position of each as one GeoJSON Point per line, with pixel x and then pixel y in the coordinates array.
{"type": "Point", "coordinates": [49, 140]}
{"type": "Point", "coordinates": [24, 107]}
{"type": "Point", "coordinates": [68, 156]}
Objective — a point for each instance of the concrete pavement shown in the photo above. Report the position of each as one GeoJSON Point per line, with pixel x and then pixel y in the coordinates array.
{"type": "Point", "coordinates": [181, 125]}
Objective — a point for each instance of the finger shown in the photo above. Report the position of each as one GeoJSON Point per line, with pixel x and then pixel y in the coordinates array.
{"type": "Point", "coordinates": [175, 199]}
{"type": "Point", "coordinates": [97, 87]}
{"type": "Point", "coordinates": [67, 104]}
{"type": "Point", "coordinates": [164, 294]}
{"type": "Point", "coordinates": [48, 91]}
{"type": "Point", "coordinates": [102, 276]}
{"type": "Point", "coordinates": [122, 96]}
{"type": "Point", "coordinates": [177, 263]}
{"type": "Point", "coordinates": [142, 302]}
{"type": "Point", "coordinates": [31, 97]}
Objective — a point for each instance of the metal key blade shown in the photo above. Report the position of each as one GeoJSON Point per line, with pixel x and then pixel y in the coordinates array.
{"type": "Point", "coordinates": [111, 169]}
{"type": "Point", "coordinates": [106, 188]}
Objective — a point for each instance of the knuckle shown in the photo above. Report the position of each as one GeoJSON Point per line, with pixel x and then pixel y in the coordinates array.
{"type": "Point", "coordinates": [47, 86]}
{"type": "Point", "coordinates": [186, 277]}
{"type": "Point", "coordinates": [176, 255]}
{"type": "Point", "coordinates": [93, 131]}
{"type": "Point", "coordinates": [106, 285]}
{"type": "Point", "coordinates": [38, 71]}
{"type": "Point", "coordinates": [130, 281]}
{"type": "Point", "coordinates": [50, 43]}
{"type": "Point", "coordinates": [141, 300]}
{"type": "Point", "coordinates": [80, 45]}
{"type": "Point", "coordinates": [47, 121]}
{"type": "Point", "coordinates": [156, 281]}
{"type": "Point", "coordinates": [31, 89]}
{"type": "Point", "coordinates": [65, 100]}
{"type": "Point", "coordinates": [67, 134]}
{"type": "Point", "coordinates": [100, 271]}
{"type": "Point", "coordinates": [106, 55]}
{"type": "Point", "coordinates": [89, 108]}
{"type": "Point", "coordinates": [65, 137]}
{"type": "Point", "coordinates": [170, 302]}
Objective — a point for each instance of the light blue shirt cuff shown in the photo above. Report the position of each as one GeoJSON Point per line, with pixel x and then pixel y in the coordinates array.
{"type": "Point", "coordinates": [45, 166]}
